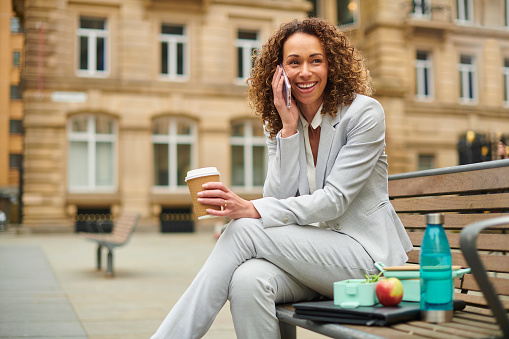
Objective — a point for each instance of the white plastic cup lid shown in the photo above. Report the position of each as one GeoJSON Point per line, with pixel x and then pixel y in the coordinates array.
{"type": "Point", "coordinates": [201, 172]}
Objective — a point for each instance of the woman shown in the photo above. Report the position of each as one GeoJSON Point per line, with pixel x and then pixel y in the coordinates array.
{"type": "Point", "coordinates": [325, 215]}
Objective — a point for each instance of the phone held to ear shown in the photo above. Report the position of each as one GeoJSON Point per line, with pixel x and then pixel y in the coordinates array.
{"type": "Point", "coordinates": [287, 89]}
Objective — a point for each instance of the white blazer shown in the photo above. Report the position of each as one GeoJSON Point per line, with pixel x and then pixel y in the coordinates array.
{"type": "Point", "coordinates": [351, 178]}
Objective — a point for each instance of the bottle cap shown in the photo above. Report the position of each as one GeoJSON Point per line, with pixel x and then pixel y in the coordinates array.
{"type": "Point", "coordinates": [435, 219]}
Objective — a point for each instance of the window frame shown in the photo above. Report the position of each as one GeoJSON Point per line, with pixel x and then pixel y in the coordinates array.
{"type": "Point", "coordinates": [15, 161]}
{"type": "Point", "coordinates": [92, 35]}
{"type": "Point", "coordinates": [16, 92]}
{"type": "Point", "coordinates": [172, 139]}
{"type": "Point", "coordinates": [505, 74]}
{"type": "Point", "coordinates": [464, 12]}
{"type": "Point", "coordinates": [16, 59]}
{"type": "Point", "coordinates": [15, 25]}
{"type": "Point", "coordinates": [420, 78]}
{"type": "Point", "coordinates": [430, 159]}
{"type": "Point", "coordinates": [92, 138]}
{"type": "Point", "coordinates": [355, 14]}
{"type": "Point", "coordinates": [247, 46]}
{"type": "Point", "coordinates": [15, 126]}
{"type": "Point", "coordinates": [425, 9]}
{"type": "Point", "coordinates": [467, 72]}
{"type": "Point", "coordinates": [172, 40]}
{"type": "Point", "coordinates": [506, 13]}
{"type": "Point", "coordinates": [248, 141]}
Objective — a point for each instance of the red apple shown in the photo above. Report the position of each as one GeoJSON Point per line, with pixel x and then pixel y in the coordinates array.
{"type": "Point", "coordinates": [389, 291]}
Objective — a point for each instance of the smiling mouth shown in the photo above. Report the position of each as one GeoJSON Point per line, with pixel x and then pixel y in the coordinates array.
{"type": "Point", "coordinates": [306, 86]}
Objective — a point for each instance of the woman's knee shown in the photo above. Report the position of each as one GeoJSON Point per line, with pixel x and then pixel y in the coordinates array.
{"type": "Point", "coordinates": [252, 280]}
{"type": "Point", "coordinates": [243, 226]}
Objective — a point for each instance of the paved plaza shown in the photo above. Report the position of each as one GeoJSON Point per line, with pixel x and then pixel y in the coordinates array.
{"type": "Point", "coordinates": [49, 287]}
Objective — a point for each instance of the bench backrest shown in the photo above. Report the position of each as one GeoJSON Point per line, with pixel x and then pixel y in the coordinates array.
{"type": "Point", "coordinates": [124, 226]}
{"type": "Point", "coordinates": [465, 194]}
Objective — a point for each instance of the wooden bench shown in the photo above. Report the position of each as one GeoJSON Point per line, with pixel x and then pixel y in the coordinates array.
{"type": "Point", "coordinates": [475, 201]}
{"type": "Point", "coordinates": [123, 228]}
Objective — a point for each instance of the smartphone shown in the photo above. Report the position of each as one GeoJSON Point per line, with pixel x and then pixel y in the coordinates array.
{"type": "Point", "coordinates": [287, 90]}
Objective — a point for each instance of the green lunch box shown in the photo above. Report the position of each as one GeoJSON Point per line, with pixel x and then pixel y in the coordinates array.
{"type": "Point", "coordinates": [353, 293]}
{"type": "Point", "coordinates": [410, 278]}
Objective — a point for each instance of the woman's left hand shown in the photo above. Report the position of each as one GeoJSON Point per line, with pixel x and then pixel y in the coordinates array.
{"type": "Point", "coordinates": [234, 207]}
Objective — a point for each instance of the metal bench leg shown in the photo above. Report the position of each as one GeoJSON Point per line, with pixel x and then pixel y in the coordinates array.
{"type": "Point", "coordinates": [288, 331]}
{"type": "Point", "coordinates": [99, 257]}
{"type": "Point", "coordinates": [109, 268]}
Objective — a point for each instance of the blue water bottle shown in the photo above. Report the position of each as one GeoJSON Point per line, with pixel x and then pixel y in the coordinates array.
{"type": "Point", "coordinates": [437, 290]}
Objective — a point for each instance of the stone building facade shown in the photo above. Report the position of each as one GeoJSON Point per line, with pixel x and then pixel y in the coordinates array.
{"type": "Point", "coordinates": [123, 97]}
{"type": "Point", "coordinates": [11, 111]}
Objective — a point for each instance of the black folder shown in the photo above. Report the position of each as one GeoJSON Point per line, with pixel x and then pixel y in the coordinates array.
{"type": "Point", "coordinates": [378, 315]}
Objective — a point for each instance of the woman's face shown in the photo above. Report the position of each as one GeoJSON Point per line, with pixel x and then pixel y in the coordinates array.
{"type": "Point", "coordinates": [305, 64]}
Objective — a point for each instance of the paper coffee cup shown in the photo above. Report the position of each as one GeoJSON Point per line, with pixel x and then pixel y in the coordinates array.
{"type": "Point", "coordinates": [195, 179]}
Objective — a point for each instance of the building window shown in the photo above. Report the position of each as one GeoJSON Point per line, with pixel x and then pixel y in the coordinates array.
{"type": "Point", "coordinates": [15, 126]}
{"type": "Point", "coordinates": [173, 42]}
{"type": "Point", "coordinates": [16, 25]}
{"type": "Point", "coordinates": [423, 75]}
{"type": "Point", "coordinates": [93, 47]}
{"type": "Point", "coordinates": [247, 42]}
{"type": "Point", "coordinates": [248, 153]}
{"type": "Point", "coordinates": [16, 58]}
{"type": "Point", "coordinates": [426, 162]}
{"type": "Point", "coordinates": [506, 13]}
{"type": "Point", "coordinates": [15, 161]}
{"type": "Point", "coordinates": [347, 12]}
{"type": "Point", "coordinates": [467, 79]}
{"type": "Point", "coordinates": [15, 92]}
{"type": "Point", "coordinates": [506, 81]}
{"type": "Point", "coordinates": [313, 12]}
{"type": "Point", "coordinates": [465, 11]}
{"type": "Point", "coordinates": [174, 141]}
{"type": "Point", "coordinates": [421, 8]}
{"type": "Point", "coordinates": [92, 154]}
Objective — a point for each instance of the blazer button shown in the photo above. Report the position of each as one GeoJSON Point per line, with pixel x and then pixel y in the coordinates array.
{"type": "Point", "coordinates": [285, 220]}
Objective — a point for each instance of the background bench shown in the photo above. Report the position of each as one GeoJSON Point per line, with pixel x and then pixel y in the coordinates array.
{"type": "Point", "coordinates": [465, 194]}
{"type": "Point", "coordinates": [123, 228]}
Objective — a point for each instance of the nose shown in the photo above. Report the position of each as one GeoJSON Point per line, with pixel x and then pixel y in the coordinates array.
{"type": "Point", "coordinates": [306, 70]}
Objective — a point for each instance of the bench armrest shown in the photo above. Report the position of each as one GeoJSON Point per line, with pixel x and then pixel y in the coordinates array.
{"type": "Point", "coordinates": [469, 248]}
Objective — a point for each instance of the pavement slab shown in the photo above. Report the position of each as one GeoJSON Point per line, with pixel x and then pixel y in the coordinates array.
{"type": "Point", "coordinates": [50, 288]}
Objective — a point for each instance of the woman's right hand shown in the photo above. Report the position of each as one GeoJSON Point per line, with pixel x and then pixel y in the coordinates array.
{"type": "Point", "coordinates": [289, 116]}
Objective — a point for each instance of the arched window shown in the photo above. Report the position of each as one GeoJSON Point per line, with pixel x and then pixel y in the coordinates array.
{"type": "Point", "coordinates": [92, 159]}
{"type": "Point", "coordinates": [249, 155]}
{"type": "Point", "coordinates": [173, 142]}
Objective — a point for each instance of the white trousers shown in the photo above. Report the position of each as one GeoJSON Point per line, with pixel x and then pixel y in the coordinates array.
{"type": "Point", "coordinates": [256, 268]}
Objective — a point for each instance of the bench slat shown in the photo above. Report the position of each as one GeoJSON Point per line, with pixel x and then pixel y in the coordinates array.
{"type": "Point", "coordinates": [492, 263]}
{"type": "Point", "coordinates": [407, 327]}
{"type": "Point", "coordinates": [492, 242]}
{"type": "Point", "coordinates": [452, 220]}
{"type": "Point", "coordinates": [474, 331]}
{"type": "Point", "coordinates": [481, 180]}
{"type": "Point", "coordinates": [493, 202]}
{"type": "Point", "coordinates": [477, 317]}
{"type": "Point", "coordinates": [500, 284]}
{"type": "Point", "coordinates": [452, 329]}
{"type": "Point", "coordinates": [478, 301]}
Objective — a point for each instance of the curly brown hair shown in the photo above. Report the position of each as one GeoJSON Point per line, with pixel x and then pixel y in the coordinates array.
{"type": "Point", "coordinates": [347, 75]}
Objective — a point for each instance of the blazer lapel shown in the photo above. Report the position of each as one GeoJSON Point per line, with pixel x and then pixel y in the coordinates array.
{"type": "Point", "coordinates": [326, 138]}
{"type": "Point", "coordinates": [303, 170]}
